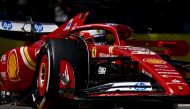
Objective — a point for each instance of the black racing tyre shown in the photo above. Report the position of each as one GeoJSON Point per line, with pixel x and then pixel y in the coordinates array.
{"type": "Point", "coordinates": [48, 67]}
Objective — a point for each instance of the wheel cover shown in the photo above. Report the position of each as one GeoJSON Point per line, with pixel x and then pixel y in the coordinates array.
{"type": "Point", "coordinates": [43, 75]}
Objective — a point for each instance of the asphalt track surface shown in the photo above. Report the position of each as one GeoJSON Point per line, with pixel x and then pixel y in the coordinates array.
{"type": "Point", "coordinates": [11, 106]}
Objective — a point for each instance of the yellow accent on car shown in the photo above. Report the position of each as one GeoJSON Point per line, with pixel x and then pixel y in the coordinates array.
{"type": "Point", "coordinates": [30, 61]}
{"type": "Point", "coordinates": [111, 49]}
{"type": "Point", "coordinates": [94, 52]}
{"type": "Point", "coordinates": [13, 67]}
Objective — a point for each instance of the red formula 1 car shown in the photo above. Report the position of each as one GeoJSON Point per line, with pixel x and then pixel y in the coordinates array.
{"type": "Point", "coordinates": [78, 63]}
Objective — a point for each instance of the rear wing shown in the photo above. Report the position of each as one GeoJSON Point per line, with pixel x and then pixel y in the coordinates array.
{"type": "Point", "coordinates": [27, 27]}
{"type": "Point", "coordinates": [26, 31]}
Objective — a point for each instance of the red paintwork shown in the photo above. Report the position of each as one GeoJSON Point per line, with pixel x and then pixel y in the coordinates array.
{"type": "Point", "coordinates": [23, 74]}
{"type": "Point", "coordinates": [43, 71]}
{"type": "Point", "coordinates": [66, 71]}
{"type": "Point", "coordinates": [149, 61]}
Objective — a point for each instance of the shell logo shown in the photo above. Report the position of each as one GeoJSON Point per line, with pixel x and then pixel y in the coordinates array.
{"type": "Point", "coordinates": [154, 61]}
{"type": "Point", "coordinates": [12, 66]}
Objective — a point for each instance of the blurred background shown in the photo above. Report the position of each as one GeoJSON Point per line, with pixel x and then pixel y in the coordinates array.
{"type": "Point", "coordinates": [163, 16]}
{"type": "Point", "coordinates": [169, 19]}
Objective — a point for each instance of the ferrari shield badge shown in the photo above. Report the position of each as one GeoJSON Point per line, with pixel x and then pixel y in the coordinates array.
{"type": "Point", "coordinates": [94, 52]}
{"type": "Point", "coordinates": [180, 88]}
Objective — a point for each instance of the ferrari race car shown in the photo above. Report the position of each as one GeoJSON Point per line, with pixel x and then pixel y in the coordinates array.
{"type": "Point", "coordinates": [78, 64]}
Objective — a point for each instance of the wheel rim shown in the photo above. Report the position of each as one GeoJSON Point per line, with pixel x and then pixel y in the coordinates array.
{"type": "Point", "coordinates": [43, 75]}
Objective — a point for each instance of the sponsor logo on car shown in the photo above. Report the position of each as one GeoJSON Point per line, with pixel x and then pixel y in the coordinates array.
{"type": "Point", "coordinates": [38, 27]}
{"type": "Point", "coordinates": [154, 61]}
{"type": "Point", "coordinates": [176, 81]}
{"type": "Point", "coordinates": [139, 50]}
{"type": "Point", "coordinates": [161, 66]}
{"type": "Point", "coordinates": [165, 70]}
{"type": "Point", "coordinates": [112, 24]}
{"type": "Point", "coordinates": [106, 55]}
{"type": "Point", "coordinates": [171, 76]}
{"type": "Point", "coordinates": [130, 86]}
{"type": "Point", "coordinates": [169, 73]}
{"type": "Point", "coordinates": [143, 52]}
{"type": "Point", "coordinates": [110, 50]}
{"type": "Point", "coordinates": [180, 88]}
{"type": "Point", "coordinates": [140, 86]}
{"type": "Point", "coordinates": [3, 58]}
{"type": "Point", "coordinates": [7, 25]}
{"type": "Point", "coordinates": [102, 70]}
{"type": "Point", "coordinates": [68, 26]}
{"type": "Point", "coordinates": [12, 66]}
{"type": "Point", "coordinates": [94, 52]}
{"type": "Point", "coordinates": [3, 75]}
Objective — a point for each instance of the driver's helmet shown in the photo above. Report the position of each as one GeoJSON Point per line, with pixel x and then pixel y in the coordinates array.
{"type": "Point", "coordinates": [86, 35]}
{"type": "Point", "coordinates": [96, 36]}
{"type": "Point", "coordinates": [99, 36]}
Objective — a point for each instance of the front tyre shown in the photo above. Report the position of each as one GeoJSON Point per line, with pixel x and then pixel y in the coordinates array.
{"type": "Point", "coordinates": [59, 59]}
{"type": "Point", "coordinates": [46, 78]}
